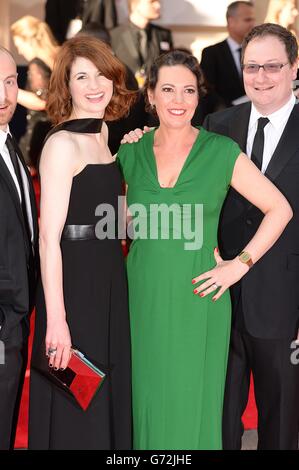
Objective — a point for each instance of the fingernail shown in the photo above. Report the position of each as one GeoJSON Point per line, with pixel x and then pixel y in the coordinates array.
{"type": "Point", "coordinates": [201, 295]}
{"type": "Point", "coordinates": [193, 281]}
{"type": "Point", "coordinates": [62, 368]}
{"type": "Point", "coordinates": [214, 299]}
{"type": "Point", "coordinates": [195, 291]}
{"type": "Point", "coordinates": [55, 368]}
{"type": "Point", "coordinates": [216, 249]}
{"type": "Point", "coordinates": [50, 365]}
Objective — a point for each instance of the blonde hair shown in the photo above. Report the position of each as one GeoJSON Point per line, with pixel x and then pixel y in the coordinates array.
{"type": "Point", "coordinates": [38, 35]}
{"type": "Point", "coordinates": [275, 9]}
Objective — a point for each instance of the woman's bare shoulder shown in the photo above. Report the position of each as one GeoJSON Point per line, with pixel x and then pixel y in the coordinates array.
{"type": "Point", "coordinates": [61, 149]}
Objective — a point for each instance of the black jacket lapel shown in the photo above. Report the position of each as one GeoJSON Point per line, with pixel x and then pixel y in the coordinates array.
{"type": "Point", "coordinates": [229, 62]}
{"type": "Point", "coordinates": [31, 192]}
{"type": "Point", "coordinates": [5, 174]}
{"type": "Point", "coordinates": [287, 146]}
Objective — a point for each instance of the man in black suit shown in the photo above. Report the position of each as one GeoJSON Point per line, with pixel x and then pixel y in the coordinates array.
{"type": "Point", "coordinates": [18, 248]}
{"type": "Point", "coordinates": [221, 62]}
{"type": "Point", "coordinates": [266, 301]}
{"type": "Point", "coordinates": [138, 42]}
{"type": "Point", "coordinates": [59, 14]}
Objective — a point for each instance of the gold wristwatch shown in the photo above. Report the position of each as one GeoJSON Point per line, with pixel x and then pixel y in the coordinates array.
{"type": "Point", "coordinates": [245, 258]}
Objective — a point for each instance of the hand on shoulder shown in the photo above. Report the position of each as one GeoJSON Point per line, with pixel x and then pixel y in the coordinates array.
{"type": "Point", "coordinates": [135, 135]}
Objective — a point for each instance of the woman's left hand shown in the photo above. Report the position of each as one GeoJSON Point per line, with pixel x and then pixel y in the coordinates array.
{"type": "Point", "coordinates": [225, 274]}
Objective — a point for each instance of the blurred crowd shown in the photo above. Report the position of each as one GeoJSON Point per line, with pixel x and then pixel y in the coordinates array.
{"type": "Point", "coordinates": [136, 42]}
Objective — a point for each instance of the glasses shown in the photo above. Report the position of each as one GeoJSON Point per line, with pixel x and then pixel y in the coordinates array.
{"type": "Point", "coordinates": [268, 68]}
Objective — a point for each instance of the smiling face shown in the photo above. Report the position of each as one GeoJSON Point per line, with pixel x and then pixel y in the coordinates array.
{"type": "Point", "coordinates": [268, 91]}
{"type": "Point", "coordinates": [175, 96]}
{"type": "Point", "coordinates": [8, 89]}
{"type": "Point", "coordinates": [90, 90]}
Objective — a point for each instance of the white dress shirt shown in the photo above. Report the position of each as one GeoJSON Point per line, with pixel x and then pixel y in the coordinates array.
{"type": "Point", "coordinates": [272, 131]}
{"type": "Point", "coordinates": [234, 48]}
{"type": "Point", "coordinates": [4, 154]}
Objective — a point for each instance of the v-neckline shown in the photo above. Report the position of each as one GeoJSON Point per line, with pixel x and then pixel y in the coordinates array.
{"type": "Point", "coordinates": [154, 161]}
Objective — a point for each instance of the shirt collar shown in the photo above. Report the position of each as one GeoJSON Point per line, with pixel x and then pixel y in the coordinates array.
{"type": "Point", "coordinates": [277, 118]}
{"type": "Point", "coordinates": [233, 44]}
{"type": "Point", "coordinates": [3, 137]}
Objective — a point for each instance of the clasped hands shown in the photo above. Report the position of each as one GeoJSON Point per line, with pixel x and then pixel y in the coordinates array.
{"type": "Point", "coordinates": [224, 275]}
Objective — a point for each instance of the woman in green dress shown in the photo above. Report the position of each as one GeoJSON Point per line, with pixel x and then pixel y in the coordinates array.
{"type": "Point", "coordinates": [177, 178]}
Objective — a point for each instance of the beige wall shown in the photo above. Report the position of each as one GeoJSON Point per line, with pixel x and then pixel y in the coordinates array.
{"type": "Point", "coordinates": [4, 24]}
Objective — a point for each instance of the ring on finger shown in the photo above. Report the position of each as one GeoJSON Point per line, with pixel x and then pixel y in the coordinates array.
{"type": "Point", "coordinates": [52, 351]}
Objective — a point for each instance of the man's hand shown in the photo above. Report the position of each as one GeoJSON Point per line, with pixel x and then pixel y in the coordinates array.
{"type": "Point", "coordinates": [135, 136]}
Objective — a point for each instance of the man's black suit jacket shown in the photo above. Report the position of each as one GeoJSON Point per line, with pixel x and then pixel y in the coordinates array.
{"type": "Point", "coordinates": [59, 13]}
{"type": "Point", "coordinates": [18, 269]}
{"type": "Point", "coordinates": [126, 48]}
{"type": "Point", "coordinates": [270, 290]}
{"type": "Point", "coordinates": [221, 73]}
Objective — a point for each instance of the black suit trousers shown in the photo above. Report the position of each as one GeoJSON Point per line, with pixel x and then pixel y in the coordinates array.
{"type": "Point", "coordinates": [276, 384]}
{"type": "Point", "coordinates": [12, 373]}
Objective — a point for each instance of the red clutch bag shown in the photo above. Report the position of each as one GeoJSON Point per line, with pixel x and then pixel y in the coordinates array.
{"type": "Point", "coordinates": [81, 379]}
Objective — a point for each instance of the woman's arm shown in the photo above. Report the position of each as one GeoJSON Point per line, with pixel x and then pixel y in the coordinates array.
{"type": "Point", "coordinates": [30, 100]}
{"type": "Point", "coordinates": [57, 168]}
{"type": "Point", "coordinates": [259, 190]}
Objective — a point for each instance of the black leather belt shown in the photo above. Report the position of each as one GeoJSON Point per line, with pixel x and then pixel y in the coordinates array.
{"type": "Point", "coordinates": [79, 232]}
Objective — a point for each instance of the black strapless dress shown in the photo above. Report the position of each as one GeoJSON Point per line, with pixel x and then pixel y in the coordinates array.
{"type": "Point", "coordinates": [95, 296]}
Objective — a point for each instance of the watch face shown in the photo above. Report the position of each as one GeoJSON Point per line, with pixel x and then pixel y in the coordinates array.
{"type": "Point", "coordinates": [245, 257]}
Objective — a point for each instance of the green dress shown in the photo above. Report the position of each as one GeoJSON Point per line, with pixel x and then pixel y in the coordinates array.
{"type": "Point", "coordinates": [179, 340]}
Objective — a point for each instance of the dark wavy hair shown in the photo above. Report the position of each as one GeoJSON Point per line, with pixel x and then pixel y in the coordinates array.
{"type": "Point", "coordinates": [175, 57]}
{"type": "Point", "coordinates": [59, 103]}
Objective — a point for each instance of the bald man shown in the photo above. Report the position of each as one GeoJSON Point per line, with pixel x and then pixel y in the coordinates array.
{"type": "Point", "coordinates": [18, 248]}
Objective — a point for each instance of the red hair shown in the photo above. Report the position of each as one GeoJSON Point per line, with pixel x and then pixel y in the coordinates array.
{"type": "Point", "coordinates": [59, 103]}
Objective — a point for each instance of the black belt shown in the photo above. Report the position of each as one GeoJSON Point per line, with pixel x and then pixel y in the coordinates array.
{"type": "Point", "coordinates": [79, 232]}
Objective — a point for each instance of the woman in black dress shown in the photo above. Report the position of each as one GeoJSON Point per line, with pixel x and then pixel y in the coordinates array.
{"type": "Point", "coordinates": [82, 300]}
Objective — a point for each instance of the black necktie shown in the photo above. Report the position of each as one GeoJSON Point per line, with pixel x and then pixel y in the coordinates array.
{"type": "Point", "coordinates": [258, 143]}
{"type": "Point", "coordinates": [14, 160]}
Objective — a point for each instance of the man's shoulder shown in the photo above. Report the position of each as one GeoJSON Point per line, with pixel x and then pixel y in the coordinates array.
{"type": "Point", "coordinates": [228, 113]}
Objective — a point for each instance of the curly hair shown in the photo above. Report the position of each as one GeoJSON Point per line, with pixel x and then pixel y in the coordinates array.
{"type": "Point", "coordinates": [172, 58]}
{"type": "Point", "coordinates": [59, 104]}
